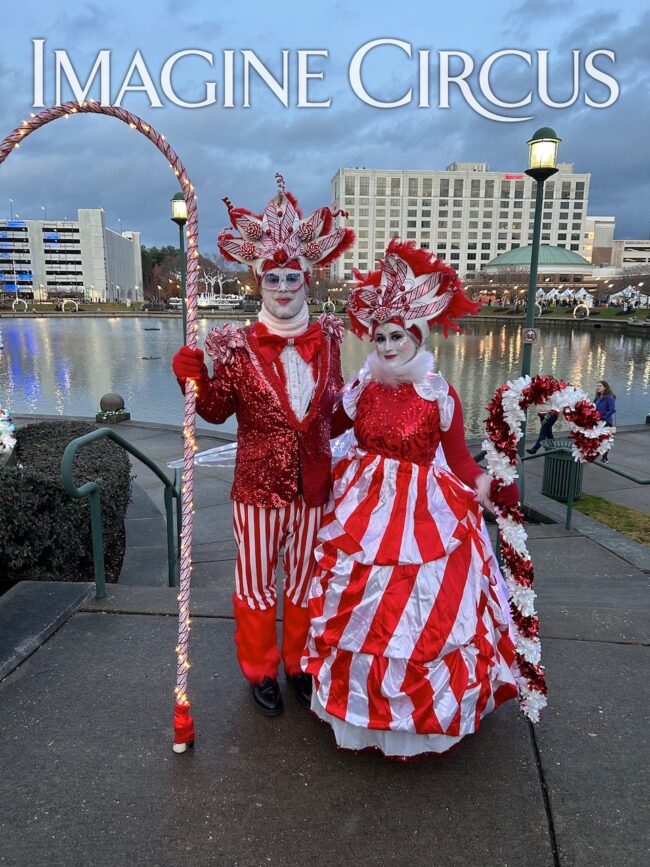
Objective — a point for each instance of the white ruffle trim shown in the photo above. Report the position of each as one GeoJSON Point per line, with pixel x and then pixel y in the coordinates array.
{"type": "Point", "coordinates": [420, 371]}
{"type": "Point", "coordinates": [402, 744]}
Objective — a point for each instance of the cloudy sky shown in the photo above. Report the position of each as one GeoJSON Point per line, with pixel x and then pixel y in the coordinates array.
{"type": "Point", "coordinates": [98, 162]}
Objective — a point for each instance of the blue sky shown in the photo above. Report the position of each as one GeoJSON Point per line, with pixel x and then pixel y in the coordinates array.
{"type": "Point", "coordinates": [97, 162]}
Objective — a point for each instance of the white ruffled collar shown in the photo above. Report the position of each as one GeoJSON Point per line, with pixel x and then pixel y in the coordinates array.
{"type": "Point", "coordinates": [414, 370]}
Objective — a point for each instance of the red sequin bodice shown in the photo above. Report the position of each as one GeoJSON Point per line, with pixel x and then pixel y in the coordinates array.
{"type": "Point", "coordinates": [397, 423]}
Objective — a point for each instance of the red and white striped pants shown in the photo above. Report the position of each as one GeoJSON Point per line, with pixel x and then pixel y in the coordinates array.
{"type": "Point", "coordinates": [260, 535]}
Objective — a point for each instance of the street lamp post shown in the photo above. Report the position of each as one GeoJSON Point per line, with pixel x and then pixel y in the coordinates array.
{"type": "Point", "coordinates": [542, 164]}
{"type": "Point", "coordinates": [179, 216]}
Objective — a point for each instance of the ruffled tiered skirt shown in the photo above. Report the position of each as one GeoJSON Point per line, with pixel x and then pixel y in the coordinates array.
{"type": "Point", "coordinates": [411, 641]}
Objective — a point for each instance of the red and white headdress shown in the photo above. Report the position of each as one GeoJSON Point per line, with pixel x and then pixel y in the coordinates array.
{"type": "Point", "coordinates": [411, 287]}
{"type": "Point", "coordinates": [280, 237]}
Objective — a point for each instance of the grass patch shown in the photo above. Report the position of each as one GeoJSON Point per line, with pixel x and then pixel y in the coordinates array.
{"type": "Point", "coordinates": [631, 522]}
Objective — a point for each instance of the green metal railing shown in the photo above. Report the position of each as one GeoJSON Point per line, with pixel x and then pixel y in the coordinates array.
{"type": "Point", "coordinates": [92, 491]}
{"type": "Point", "coordinates": [573, 474]}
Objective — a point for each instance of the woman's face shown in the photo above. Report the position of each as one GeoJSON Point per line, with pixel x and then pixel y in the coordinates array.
{"type": "Point", "coordinates": [394, 345]}
{"type": "Point", "coordinates": [600, 388]}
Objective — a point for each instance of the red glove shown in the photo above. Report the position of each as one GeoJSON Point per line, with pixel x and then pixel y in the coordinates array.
{"type": "Point", "coordinates": [188, 363]}
{"type": "Point", "coordinates": [508, 496]}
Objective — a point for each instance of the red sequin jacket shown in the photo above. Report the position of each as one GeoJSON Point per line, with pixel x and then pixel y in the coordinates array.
{"type": "Point", "coordinates": [278, 457]}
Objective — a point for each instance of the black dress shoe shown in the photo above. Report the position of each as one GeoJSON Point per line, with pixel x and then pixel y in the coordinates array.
{"type": "Point", "coordinates": [532, 451]}
{"type": "Point", "coordinates": [301, 685]}
{"type": "Point", "coordinates": [267, 697]}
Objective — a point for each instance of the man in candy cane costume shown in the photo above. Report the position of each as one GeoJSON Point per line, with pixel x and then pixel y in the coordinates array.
{"type": "Point", "coordinates": [280, 377]}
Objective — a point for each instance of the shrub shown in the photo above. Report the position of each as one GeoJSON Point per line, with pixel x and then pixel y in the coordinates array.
{"type": "Point", "coordinates": [45, 534]}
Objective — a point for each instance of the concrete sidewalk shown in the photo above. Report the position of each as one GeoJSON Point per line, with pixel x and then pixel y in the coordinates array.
{"type": "Point", "coordinates": [89, 777]}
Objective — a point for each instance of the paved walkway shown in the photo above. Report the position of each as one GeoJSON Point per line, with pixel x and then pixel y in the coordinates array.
{"type": "Point", "coordinates": [88, 776]}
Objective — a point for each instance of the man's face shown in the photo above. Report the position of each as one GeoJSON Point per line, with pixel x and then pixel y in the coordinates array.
{"type": "Point", "coordinates": [283, 292]}
{"type": "Point", "coordinates": [394, 345]}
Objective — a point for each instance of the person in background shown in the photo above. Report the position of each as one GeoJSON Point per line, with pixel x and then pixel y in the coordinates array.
{"type": "Point", "coordinates": [548, 419]}
{"type": "Point", "coordinates": [605, 401]}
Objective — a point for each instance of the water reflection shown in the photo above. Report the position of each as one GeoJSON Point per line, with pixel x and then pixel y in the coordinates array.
{"type": "Point", "coordinates": [64, 366]}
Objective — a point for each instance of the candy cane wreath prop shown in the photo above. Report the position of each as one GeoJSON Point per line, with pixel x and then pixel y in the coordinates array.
{"type": "Point", "coordinates": [591, 439]}
{"type": "Point", "coordinates": [183, 723]}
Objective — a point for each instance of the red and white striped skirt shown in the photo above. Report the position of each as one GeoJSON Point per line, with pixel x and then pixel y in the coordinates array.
{"type": "Point", "coordinates": [410, 642]}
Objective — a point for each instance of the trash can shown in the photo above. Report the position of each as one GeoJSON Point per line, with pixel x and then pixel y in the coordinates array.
{"type": "Point", "coordinates": [557, 471]}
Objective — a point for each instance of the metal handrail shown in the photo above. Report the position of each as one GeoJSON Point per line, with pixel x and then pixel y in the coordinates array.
{"type": "Point", "coordinates": [92, 491]}
{"type": "Point", "coordinates": [573, 476]}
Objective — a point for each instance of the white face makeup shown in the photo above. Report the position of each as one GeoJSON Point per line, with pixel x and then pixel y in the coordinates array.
{"type": "Point", "coordinates": [394, 345]}
{"type": "Point", "coordinates": [283, 292]}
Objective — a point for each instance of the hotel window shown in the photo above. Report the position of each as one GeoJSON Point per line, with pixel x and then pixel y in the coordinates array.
{"type": "Point", "coordinates": [394, 212]}
{"type": "Point", "coordinates": [485, 246]}
{"type": "Point", "coordinates": [426, 203]}
{"type": "Point", "coordinates": [412, 203]}
{"type": "Point", "coordinates": [473, 215]}
{"type": "Point", "coordinates": [575, 246]}
{"type": "Point", "coordinates": [519, 189]}
{"type": "Point", "coordinates": [501, 246]}
{"type": "Point", "coordinates": [471, 246]}
{"type": "Point", "coordinates": [395, 186]}
{"type": "Point", "coordinates": [485, 257]}
{"type": "Point", "coordinates": [549, 190]}
{"type": "Point", "coordinates": [505, 190]}
{"type": "Point", "coordinates": [489, 190]}
{"type": "Point", "coordinates": [502, 236]}
{"type": "Point", "coordinates": [395, 203]}
{"type": "Point", "coordinates": [363, 224]}
{"type": "Point", "coordinates": [546, 225]}
{"type": "Point", "coordinates": [475, 189]}
{"type": "Point", "coordinates": [518, 205]}
{"type": "Point", "coordinates": [486, 235]}
{"type": "Point", "coordinates": [456, 224]}
{"type": "Point", "coordinates": [363, 212]}
{"type": "Point", "coordinates": [562, 236]}
{"type": "Point", "coordinates": [411, 224]}
{"type": "Point", "coordinates": [443, 213]}
{"type": "Point", "coordinates": [349, 186]}
{"type": "Point", "coordinates": [580, 189]}
{"type": "Point", "coordinates": [458, 188]}
{"type": "Point", "coordinates": [458, 214]}
{"type": "Point", "coordinates": [413, 186]}
{"type": "Point", "coordinates": [364, 186]}
{"type": "Point", "coordinates": [576, 225]}
{"type": "Point", "coordinates": [473, 224]}
{"type": "Point", "coordinates": [487, 215]}
{"type": "Point", "coordinates": [427, 186]}
{"type": "Point", "coordinates": [425, 245]}
{"type": "Point", "coordinates": [411, 235]}
{"type": "Point", "coordinates": [566, 189]}
{"type": "Point", "coordinates": [458, 203]}
{"type": "Point", "coordinates": [411, 213]}
{"type": "Point", "coordinates": [546, 237]}
{"type": "Point", "coordinates": [426, 213]}
{"type": "Point", "coordinates": [380, 186]}
{"type": "Point", "coordinates": [380, 223]}
{"type": "Point", "coordinates": [442, 224]}
{"type": "Point", "coordinates": [455, 236]}
{"type": "Point", "coordinates": [444, 186]}
{"type": "Point", "coordinates": [471, 255]}
{"type": "Point", "coordinates": [425, 224]}
{"type": "Point", "coordinates": [503, 215]}
{"type": "Point", "coordinates": [394, 224]}
{"type": "Point", "coordinates": [472, 235]}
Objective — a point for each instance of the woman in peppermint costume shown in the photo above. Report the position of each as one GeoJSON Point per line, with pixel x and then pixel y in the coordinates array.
{"type": "Point", "coordinates": [411, 639]}
{"type": "Point", "coordinates": [280, 378]}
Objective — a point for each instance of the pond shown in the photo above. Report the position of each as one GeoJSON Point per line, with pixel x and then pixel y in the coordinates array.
{"type": "Point", "coordinates": [63, 366]}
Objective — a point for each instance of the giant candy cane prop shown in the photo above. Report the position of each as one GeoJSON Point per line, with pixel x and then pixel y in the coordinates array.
{"type": "Point", "coordinates": [591, 439]}
{"type": "Point", "coordinates": [183, 723]}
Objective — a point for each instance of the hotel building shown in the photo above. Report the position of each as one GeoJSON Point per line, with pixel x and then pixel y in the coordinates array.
{"type": "Point", "coordinates": [79, 259]}
{"type": "Point", "coordinates": [466, 214]}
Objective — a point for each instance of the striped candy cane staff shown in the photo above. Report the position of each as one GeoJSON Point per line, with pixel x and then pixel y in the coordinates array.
{"type": "Point", "coordinates": [183, 723]}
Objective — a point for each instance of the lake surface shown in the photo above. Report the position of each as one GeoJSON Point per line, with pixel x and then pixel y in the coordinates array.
{"type": "Point", "coordinates": [63, 366]}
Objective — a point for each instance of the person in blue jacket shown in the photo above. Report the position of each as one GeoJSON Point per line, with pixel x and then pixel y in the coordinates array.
{"type": "Point", "coordinates": [605, 401]}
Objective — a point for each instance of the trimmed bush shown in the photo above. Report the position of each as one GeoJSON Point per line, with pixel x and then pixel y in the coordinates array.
{"type": "Point", "coordinates": [45, 535]}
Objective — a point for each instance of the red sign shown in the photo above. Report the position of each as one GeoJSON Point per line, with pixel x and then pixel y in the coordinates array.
{"type": "Point", "coordinates": [513, 177]}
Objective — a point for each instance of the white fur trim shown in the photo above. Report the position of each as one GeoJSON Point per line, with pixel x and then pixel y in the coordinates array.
{"type": "Point", "coordinates": [285, 327]}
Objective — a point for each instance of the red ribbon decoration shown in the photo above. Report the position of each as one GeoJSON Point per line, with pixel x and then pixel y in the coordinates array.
{"type": "Point", "coordinates": [183, 724]}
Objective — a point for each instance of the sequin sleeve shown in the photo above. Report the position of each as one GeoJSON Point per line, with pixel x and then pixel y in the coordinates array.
{"type": "Point", "coordinates": [216, 398]}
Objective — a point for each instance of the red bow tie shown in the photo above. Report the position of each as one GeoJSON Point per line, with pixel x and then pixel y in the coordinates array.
{"type": "Point", "coordinates": [307, 344]}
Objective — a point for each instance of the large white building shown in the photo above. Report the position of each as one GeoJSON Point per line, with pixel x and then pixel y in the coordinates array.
{"type": "Point", "coordinates": [79, 259]}
{"type": "Point", "coordinates": [467, 214]}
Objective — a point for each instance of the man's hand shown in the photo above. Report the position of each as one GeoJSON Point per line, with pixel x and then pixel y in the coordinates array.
{"type": "Point", "coordinates": [188, 363]}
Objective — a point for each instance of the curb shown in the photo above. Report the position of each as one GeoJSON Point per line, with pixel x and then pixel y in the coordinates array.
{"type": "Point", "coordinates": [31, 612]}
